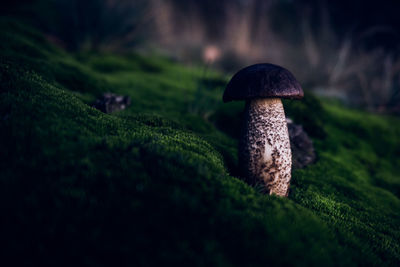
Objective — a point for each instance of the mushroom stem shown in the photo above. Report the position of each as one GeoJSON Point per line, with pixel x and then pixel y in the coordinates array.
{"type": "Point", "coordinates": [264, 147]}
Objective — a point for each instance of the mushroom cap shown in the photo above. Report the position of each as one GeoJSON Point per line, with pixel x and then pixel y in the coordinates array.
{"type": "Point", "coordinates": [263, 81]}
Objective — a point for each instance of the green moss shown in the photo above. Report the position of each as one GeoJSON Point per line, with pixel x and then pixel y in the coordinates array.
{"type": "Point", "coordinates": [156, 184]}
{"type": "Point", "coordinates": [354, 185]}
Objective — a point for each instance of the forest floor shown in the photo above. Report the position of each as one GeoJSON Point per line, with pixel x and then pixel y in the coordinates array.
{"type": "Point", "coordinates": [157, 183]}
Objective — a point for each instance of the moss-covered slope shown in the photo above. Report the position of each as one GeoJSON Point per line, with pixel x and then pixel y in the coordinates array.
{"type": "Point", "coordinates": [157, 183]}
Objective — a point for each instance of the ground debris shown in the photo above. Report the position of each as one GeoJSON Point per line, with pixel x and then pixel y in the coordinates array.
{"type": "Point", "coordinates": [109, 102]}
{"type": "Point", "coordinates": [303, 153]}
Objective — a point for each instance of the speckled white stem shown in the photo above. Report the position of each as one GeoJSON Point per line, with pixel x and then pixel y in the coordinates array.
{"type": "Point", "coordinates": [264, 148]}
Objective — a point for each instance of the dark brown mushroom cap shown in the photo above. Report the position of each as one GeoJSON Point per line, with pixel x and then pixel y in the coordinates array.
{"type": "Point", "coordinates": [263, 81]}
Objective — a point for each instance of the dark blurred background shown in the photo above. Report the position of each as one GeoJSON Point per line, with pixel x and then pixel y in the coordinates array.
{"type": "Point", "coordinates": [347, 50]}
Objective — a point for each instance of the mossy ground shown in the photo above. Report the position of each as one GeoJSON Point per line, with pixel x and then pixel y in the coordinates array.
{"type": "Point", "coordinates": [157, 183]}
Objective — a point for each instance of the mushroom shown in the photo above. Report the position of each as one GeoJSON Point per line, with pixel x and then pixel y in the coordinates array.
{"type": "Point", "coordinates": [264, 148]}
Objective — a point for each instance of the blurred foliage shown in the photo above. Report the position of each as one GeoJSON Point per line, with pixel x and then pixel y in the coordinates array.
{"type": "Point", "coordinates": [91, 24]}
{"type": "Point", "coordinates": [348, 51]}
{"type": "Point", "coordinates": [155, 184]}
{"type": "Point", "coordinates": [87, 25]}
